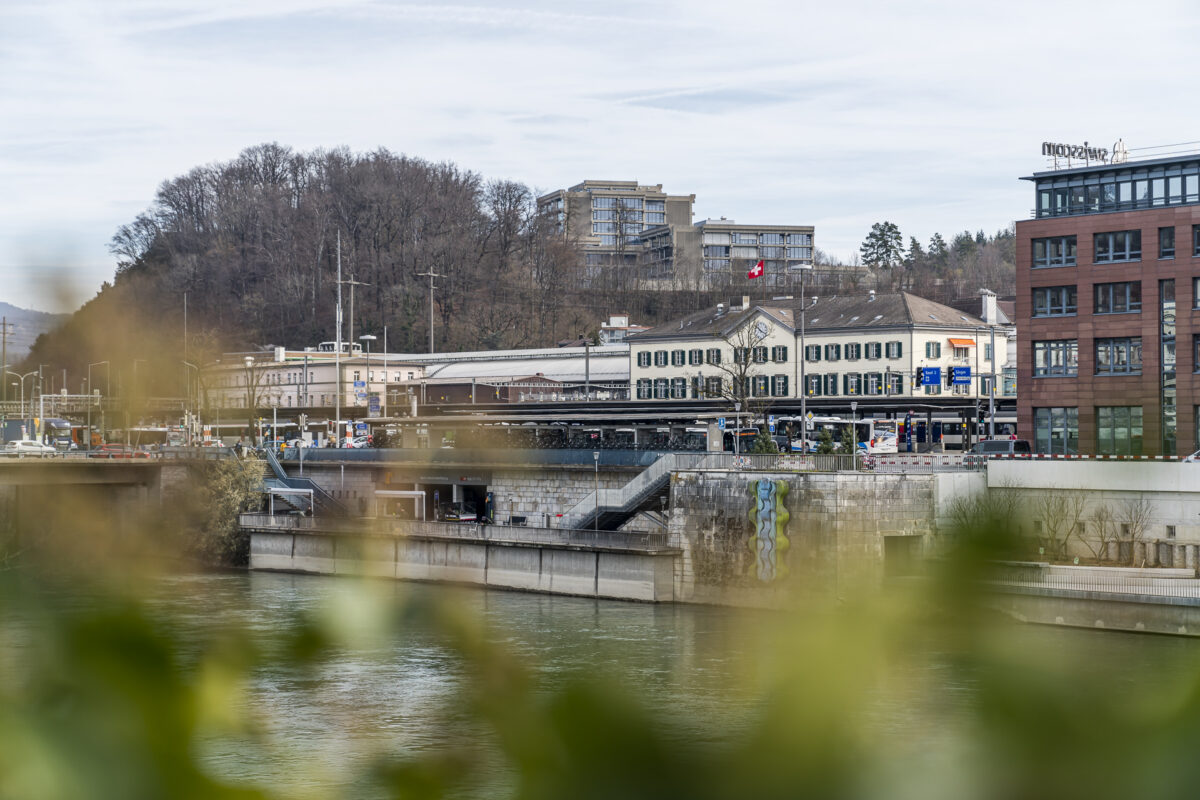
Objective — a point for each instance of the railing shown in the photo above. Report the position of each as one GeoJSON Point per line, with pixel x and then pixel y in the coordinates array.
{"type": "Point", "coordinates": [197, 453]}
{"type": "Point", "coordinates": [925, 462]}
{"type": "Point", "coordinates": [1149, 582]}
{"type": "Point", "coordinates": [629, 497]}
{"type": "Point", "coordinates": [552, 537]}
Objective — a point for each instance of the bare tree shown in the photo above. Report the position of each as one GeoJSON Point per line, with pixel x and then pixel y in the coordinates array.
{"type": "Point", "coordinates": [1103, 525]}
{"type": "Point", "coordinates": [1054, 522]}
{"type": "Point", "coordinates": [743, 382]}
{"type": "Point", "coordinates": [1135, 519]}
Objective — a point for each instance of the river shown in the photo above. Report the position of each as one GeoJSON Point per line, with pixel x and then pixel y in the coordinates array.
{"type": "Point", "coordinates": [401, 695]}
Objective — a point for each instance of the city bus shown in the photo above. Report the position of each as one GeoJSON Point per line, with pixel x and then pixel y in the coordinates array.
{"type": "Point", "coordinates": [873, 436]}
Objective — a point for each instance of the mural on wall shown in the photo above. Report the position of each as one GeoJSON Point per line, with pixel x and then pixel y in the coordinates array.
{"type": "Point", "coordinates": [769, 518]}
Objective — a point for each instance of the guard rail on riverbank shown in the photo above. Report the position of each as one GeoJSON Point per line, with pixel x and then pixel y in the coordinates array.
{"type": "Point", "coordinates": [1156, 582]}
{"type": "Point", "coordinates": [641, 541]}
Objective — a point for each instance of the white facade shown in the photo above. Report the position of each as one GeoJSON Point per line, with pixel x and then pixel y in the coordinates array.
{"type": "Point", "coordinates": [302, 380]}
{"type": "Point", "coordinates": [883, 360]}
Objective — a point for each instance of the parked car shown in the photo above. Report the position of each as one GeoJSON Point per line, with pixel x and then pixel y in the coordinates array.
{"type": "Point", "coordinates": [117, 451]}
{"type": "Point", "coordinates": [1001, 447]}
{"type": "Point", "coordinates": [980, 452]}
{"type": "Point", "coordinates": [359, 442]}
{"type": "Point", "coordinates": [459, 512]}
{"type": "Point", "coordinates": [20, 448]}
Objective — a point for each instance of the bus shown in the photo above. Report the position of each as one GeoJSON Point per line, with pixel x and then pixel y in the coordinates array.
{"type": "Point", "coordinates": [873, 436]}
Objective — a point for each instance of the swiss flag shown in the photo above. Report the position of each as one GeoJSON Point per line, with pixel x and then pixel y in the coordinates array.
{"type": "Point", "coordinates": [756, 271]}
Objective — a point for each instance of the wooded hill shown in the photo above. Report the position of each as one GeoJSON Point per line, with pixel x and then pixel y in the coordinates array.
{"type": "Point", "coordinates": [253, 244]}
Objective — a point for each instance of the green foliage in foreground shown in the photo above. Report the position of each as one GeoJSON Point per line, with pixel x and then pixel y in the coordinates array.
{"type": "Point", "coordinates": [104, 696]}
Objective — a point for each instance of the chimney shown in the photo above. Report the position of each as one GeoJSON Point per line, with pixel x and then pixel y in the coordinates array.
{"type": "Point", "coordinates": [990, 315]}
{"type": "Point", "coordinates": [745, 302]}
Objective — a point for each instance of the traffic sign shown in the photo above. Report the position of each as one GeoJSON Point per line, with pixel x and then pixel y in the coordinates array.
{"type": "Point", "coordinates": [721, 423]}
{"type": "Point", "coordinates": [771, 427]}
{"type": "Point", "coordinates": [809, 416]}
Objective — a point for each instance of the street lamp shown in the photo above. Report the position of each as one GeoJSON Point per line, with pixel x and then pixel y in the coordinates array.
{"type": "Point", "coordinates": [107, 393]}
{"type": "Point", "coordinates": [802, 269]}
{"type": "Point", "coordinates": [596, 516]}
{"type": "Point", "coordinates": [249, 362]}
{"type": "Point", "coordinates": [22, 379]}
{"type": "Point", "coordinates": [368, 338]}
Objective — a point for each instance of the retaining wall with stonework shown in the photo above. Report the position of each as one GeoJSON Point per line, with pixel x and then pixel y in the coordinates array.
{"type": "Point", "coordinates": [844, 527]}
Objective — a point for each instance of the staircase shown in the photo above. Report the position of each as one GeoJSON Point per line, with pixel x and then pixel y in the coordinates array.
{"type": "Point", "coordinates": [614, 507]}
{"type": "Point", "coordinates": [274, 476]}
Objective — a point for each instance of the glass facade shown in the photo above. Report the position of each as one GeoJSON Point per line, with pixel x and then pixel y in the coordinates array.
{"type": "Point", "coordinates": [1119, 430]}
{"type": "Point", "coordinates": [1058, 358]}
{"type": "Point", "coordinates": [1056, 430]}
{"type": "Point", "coordinates": [1055, 301]}
{"type": "Point", "coordinates": [1169, 393]}
{"type": "Point", "coordinates": [1124, 189]}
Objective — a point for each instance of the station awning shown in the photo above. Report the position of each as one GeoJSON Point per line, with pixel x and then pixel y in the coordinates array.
{"type": "Point", "coordinates": [962, 342]}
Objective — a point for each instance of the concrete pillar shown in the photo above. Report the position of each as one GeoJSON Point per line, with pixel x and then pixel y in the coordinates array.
{"type": "Point", "coordinates": [1180, 555]}
{"type": "Point", "coordinates": [1192, 551]}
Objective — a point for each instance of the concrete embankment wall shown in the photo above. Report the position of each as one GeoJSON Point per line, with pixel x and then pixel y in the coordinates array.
{"type": "Point", "coordinates": [531, 560]}
{"type": "Point", "coordinates": [845, 529]}
{"type": "Point", "coordinates": [1105, 610]}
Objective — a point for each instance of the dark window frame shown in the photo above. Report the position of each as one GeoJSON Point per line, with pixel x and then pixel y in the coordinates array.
{"type": "Point", "coordinates": [1113, 349]}
{"type": "Point", "coordinates": [1060, 301]}
{"type": "Point", "coordinates": [1119, 297]}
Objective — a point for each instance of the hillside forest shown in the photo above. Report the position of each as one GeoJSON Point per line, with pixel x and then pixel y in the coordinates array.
{"type": "Point", "coordinates": [253, 243]}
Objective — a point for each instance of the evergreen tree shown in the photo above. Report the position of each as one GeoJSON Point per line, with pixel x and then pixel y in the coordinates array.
{"type": "Point", "coordinates": [884, 247]}
{"type": "Point", "coordinates": [763, 443]}
{"type": "Point", "coordinates": [825, 442]}
{"type": "Point", "coordinates": [939, 254]}
{"type": "Point", "coordinates": [849, 442]}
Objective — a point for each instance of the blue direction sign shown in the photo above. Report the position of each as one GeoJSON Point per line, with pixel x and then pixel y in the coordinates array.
{"type": "Point", "coordinates": [360, 384]}
{"type": "Point", "coordinates": [931, 376]}
{"type": "Point", "coordinates": [960, 376]}
{"type": "Point", "coordinates": [721, 423]}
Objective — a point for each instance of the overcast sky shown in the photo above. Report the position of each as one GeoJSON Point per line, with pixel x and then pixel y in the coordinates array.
{"type": "Point", "coordinates": [836, 115]}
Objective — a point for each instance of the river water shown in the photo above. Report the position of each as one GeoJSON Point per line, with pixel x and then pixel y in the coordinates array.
{"type": "Point", "coordinates": [401, 695]}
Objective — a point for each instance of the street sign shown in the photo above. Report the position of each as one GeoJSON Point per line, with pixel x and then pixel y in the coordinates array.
{"type": "Point", "coordinates": [360, 384]}
{"type": "Point", "coordinates": [809, 416]}
{"type": "Point", "coordinates": [771, 427]}
{"type": "Point", "coordinates": [771, 420]}
{"type": "Point", "coordinates": [360, 428]}
{"type": "Point", "coordinates": [960, 376]}
{"type": "Point", "coordinates": [373, 405]}
{"type": "Point", "coordinates": [931, 376]}
{"type": "Point", "coordinates": [721, 423]}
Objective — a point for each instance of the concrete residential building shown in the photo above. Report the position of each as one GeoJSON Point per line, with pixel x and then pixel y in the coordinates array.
{"type": "Point", "coordinates": [607, 218]}
{"type": "Point", "coordinates": [1108, 281]}
{"type": "Point", "coordinates": [880, 346]}
{"type": "Point", "coordinates": [628, 224]}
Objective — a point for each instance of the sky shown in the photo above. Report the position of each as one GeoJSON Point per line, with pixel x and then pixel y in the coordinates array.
{"type": "Point", "coordinates": [836, 115]}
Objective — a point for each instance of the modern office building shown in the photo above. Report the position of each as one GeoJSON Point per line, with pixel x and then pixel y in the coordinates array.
{"type": "Point", "coordinates": [1111, 254]}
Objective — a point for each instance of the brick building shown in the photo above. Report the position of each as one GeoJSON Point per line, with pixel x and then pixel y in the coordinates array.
{"type": "Point", "coordinates": [1112, 251]}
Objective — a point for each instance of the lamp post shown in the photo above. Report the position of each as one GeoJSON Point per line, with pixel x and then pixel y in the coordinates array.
{"type": "Point", "coordinates": [737, 431]}
{"type": "Point", "coordinates": [107, 392]}
{"type": "Point", "coordinates": [368, 338]}
{"type": "Point", "coordinates": [596, 516]}
{"type": "Point", "coordinates": [249, 362]}
{"type": "Point", "coordinates": [22, 379]}
{"type": "Point", "coordinates": [802, 268]}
